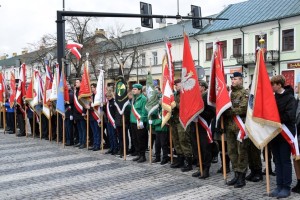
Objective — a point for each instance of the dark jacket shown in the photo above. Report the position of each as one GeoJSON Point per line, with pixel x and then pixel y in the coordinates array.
{"type": "Point", "coordinates": [70, 106]}
{"type": "Point", "coordinates": [286, 104]}
{"type": "Point", "coordinates": [209, 112]}
{"type": "Point", "coordinates": [112, 109]}
{"type": "Point", "coordinates": [77, 115]}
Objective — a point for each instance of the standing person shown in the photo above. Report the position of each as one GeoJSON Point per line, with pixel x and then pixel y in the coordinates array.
{"type": "Point", "coordinates": [281, 150]}
{"type": "Point", "coordinates": [10, 120]}
{"type": "Point", "coordinates": [296, 189]}
{"type": "Point", "coordinates": [69, 118]}
{"type": "Point", "coordinates": [208, 115]}
{"type": "Point", "coordinates": [237, 151]}
{"type": "Point", "coordinates": [79, 114]}
{"type": "Point", "coordinates": [20, 121]}
{"type": "Point", "coordinates": [138, 120]}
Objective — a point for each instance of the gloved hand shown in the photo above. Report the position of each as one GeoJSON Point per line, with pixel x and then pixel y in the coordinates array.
{"type": "Point", "coordinates": [71, 117]}
{"type": "Point", "coordinates": [195, 119]}
{"type": "Point", "coordinates": [92, 104]}
{"type": "Point", "coordinates": [141, 125]}
{"type": "Point", "coordinates": [150, 121]}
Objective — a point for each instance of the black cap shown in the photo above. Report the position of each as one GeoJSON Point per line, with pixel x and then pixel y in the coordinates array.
{"type": "Point", "coordinates": [203, 83]}
{"type": "Point", "coordinates": [177, 81]}
{"type": "Point", "coordinates": [236, 74]}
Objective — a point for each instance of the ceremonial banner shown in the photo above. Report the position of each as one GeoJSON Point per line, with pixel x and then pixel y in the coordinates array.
{"type": "Point", "coordinates": [21, 91]}
{"type": "Point", "coordinates": [191, 102]}
{"type": "Point", "coordinates": [47, 92]}
{"type": "Point", "coordinates": [60, 103]}
{"type": "Point", "coordinates": [12, 96]}
{"type": "Point", "coordinates": [262, 121]}
{"type": "Point", "coordinates": [2, 90]}
{"type": "Point", "coordinates": [152, 96]}
{"type": "Point", "coordinates": [73, 48]}
{"type": "Point", "coordinates": [84, 96]}
{"type": "Point", "coordinates": [121, 99]}
{"type": "Point", "coordinates": [53, 94]}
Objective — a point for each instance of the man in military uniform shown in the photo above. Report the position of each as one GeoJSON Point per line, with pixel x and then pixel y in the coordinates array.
{"type": "Point", "coordinates": [181, 138]}
{"type": "Point", "coordinates": [237, 151]}
{"type": "Point", "coordinates": [138, 120]}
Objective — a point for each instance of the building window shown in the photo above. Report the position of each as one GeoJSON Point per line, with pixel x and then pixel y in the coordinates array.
{"type": "Point", "coordinates": [288, 40]}
{"type": "Point", "coordinates": [209, 51]}
{"type": "Point", "coordinates": [143, 59]}
{"type": "Point", "coordinates": [237, 47]}
{"type": "Point", "coordinates": [154, 55]}
{"type": "Point", "coordinates": [224, 48]}
{"type": "Point", "coordinates": [257, 44]}
{"type": "Point", "coordinates": [111, 60]}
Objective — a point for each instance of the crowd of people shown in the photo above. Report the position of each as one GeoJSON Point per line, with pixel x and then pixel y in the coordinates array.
{"type": "Point", "coordinates": [242, 155]}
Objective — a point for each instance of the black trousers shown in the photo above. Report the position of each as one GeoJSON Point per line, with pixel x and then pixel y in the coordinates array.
{"type": "Point", "coordinates": [120, 137]}
{"type": "Point", "coordinates": [21, 123]}
{"type": "Point", "coordinates": [36, 127]}
{"type": "Point", "coordinates": [161, 143]}
{"type": "Point", "coordinates": [45, 126]}
{"type": "Point", "coordinates": [140, 138]}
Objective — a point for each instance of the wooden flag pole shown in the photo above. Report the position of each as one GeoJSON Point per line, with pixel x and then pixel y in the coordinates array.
{"type": "Point", "coordinates": [1, 110]}
{"type": "Point", "coordinates": [199, 149]}
{"type": "Point", "coordinates": [50, 127]}
{"type": "Point", "coordinates": [26, 123]}
{"type": "Point", "coordinates": [267, 170]}
{"type": "Point", "coordinates": [87, 129]}
{"type": "Point", "coordinates": [223, 151]}
{"type": "Point", "coordinates": [150, 149]}
{"type": "Point", "coordinates": [171, 149]}
{"type": "Point", "coordinates": [40, 127]}
{"type": "Point", "coordinates": [102, 125]}
{"type": "Point", "coordinates": [57, 126]}
{"type": "Point", "coordinates": [15, 120]}
{"type": "Point", "coordinates": [64, 132]}
{"type": "Point", "coordinates": [33, 125]}
{"type": "Point", "coordinates": [124, 136]}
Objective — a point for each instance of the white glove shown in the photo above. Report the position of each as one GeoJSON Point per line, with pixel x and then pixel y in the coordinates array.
{"type": "Point", "coordinates": [150, 121]}
{"type": "Point", "coordinates": [195, 119]}
{"type": "Point", "coordinates": [92, 104]}
{"type": "Point", "coordinates": [71, 117]}
{"type": "Point", "coordinates": [141, 125]}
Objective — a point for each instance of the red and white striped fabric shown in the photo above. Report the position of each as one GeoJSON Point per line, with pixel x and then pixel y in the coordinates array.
{"type": "Point", "coordinates": [71, 44]}
{"type": "Point", "coordinates": [135, 113]}
{"type": "Point", "coordinates": [204, 124]}
{"type": "Point", "coordinates": [109, 116]}
{"type": "Point", "coordinates": [78, 107]}
{"type": "Point", "coordinates": [293, 141]}
{"type": "Point", "coordinates": [242, 133]}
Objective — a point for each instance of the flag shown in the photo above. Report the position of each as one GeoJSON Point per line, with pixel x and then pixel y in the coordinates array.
{"type": "Point", "coordinates": [218, 95]}
{"type": "Point", "coordinates": [191, 102]}
{"type": "Point", "coordinates": [75, 52]}
{"type": "Point", "coordinates": [168, 102]}
{"type": "Point", "coordinates": [37, 100]}
{"type": "Point", "coordinates": [85, 92]}
{"type": "Point", "coordinates": [60, 103]}
{"type": "Point", "coordinates": [66, 91]}
{"type": "Point", "coordinates": [47, 92]}
{"type": "Point", "coordinates": [2, 89]}
{"type": "Point", "coordinates": [71, 44]}
{"type": "Point", "coordinates": [53, 94]}
{"type": "Point", "coordinates": [121, 99]}
{"type": "Point", "coordinates": [262, 120]}
{"type": "Point", "coordinates": [21, 91]}
{"type": "Point", "coordinates": [12, 96]}
{"type": "Point", "coordinates": [29, 93]}
{"type": "Point", "coordinates": [152, 96]}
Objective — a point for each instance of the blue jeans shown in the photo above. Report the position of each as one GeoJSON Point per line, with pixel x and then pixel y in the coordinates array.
{"type": "Point", "coordinates": [96, 133]}
{"type": "Point", "coordinates": [282, 155]}
{"type": "Point", "coordinates": [112, 137]}
{"type": "Point", "coordinates": [81, 126]}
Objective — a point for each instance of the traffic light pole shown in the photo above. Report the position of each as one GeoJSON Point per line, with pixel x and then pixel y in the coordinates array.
{"type": "Point", "coordinates": [61, 24]}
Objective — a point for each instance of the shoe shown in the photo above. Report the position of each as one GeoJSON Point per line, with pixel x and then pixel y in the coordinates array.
{"type": "Point", "coordinates": [136, 158]}
{"type": "Point", "coordinates": [178, 163]}
{"type": "Point", "coordinates": [234, 180]}
{"type": "Point", "coordinates": [77, 145]}
{"type": "Point", "coordinates": [270, 172]}
{"type": "Point", "coordinates": [68, 144]}
{"type": "Point", "coordinates": [250, 176]}
{"type": "Point", "coordinates": [284, 193]}
{"type": "Point", "coordinates": [20, 135]}
{"type": "Point", "coordinates": [155, 160]}
{"type": "Point", "coordinates": [196, 174]}
{"type": "Point", "coordinates": [215, 160]}
{"type": "Point", "coordinates": [96, 149]}
{"type": "Point", "coordinates": [164, 161]}
{"type": "Point", "coordinates": [108, 152]}
{"type": "Point", "coordinates": [91, 148]}
{"type": "Point", "coordinates": [205, 173]}
{"type": "Point", "coordinates": [82, 146]}
{"type": "Point", "coordinates": [220, 170]}
{"type": "Point", "coordinates": [241, 182]}
{"type": "Point", "coordinates": [187, 165]}
{"type": "Point", "coordinates": [134, 154]}
{"type": "Point", "coordinates": [114, 152]}
{"type": "Point", "coordinates": [296, 189]}
{"type": "Point", "coordinates": [257, 176]}
{"type": "Point", "coordinates": [275, 192]}
{"type": "Point", "coordinates": [142, 159]}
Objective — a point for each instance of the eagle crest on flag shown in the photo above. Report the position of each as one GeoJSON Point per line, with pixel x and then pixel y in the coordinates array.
{"type": "Point", "coordinates": [187, 80]}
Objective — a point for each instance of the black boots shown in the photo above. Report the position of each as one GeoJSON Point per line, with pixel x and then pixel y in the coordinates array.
{"type": "Point", "coordinates": [255, 176]}
{"type": "Point", "coordinates": [297, 187]}
{"type": "Point", "coordinates": [179, 162]}
{"type": "Point", "coordinates": [188, 161]}
{"type": "Point", "coordinates": [241, 182]}
{"type": "Point", "coordinates": [234, 180]}
{"type": "Point", "coordinates": [205, 173]}
{"type": "Point", "coordinates": [142, 158]}
{"type": "Point", "coordinates": [137, 158]}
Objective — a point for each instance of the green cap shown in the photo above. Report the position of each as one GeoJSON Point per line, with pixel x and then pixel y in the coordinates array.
{"type": "Point", "coordinates": [138, 86]}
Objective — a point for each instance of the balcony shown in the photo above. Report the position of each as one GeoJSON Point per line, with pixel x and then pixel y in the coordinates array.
{"type": "Point", "coordinates": [271, 56]}
{"type": "Point", "coordinates": [114, 73]}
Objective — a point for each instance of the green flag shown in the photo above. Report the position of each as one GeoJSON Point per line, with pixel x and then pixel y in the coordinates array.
{"type": "Point", "coordinates": [152, 96]}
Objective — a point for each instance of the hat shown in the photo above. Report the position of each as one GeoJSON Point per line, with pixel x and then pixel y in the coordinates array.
{"type": "Point", "coordinates": [236, 74]}
{"type": "Point", "coordinates": [177, 81]}
{"type": "Point", "coordinates": [203, 83]}
{"type": "Point", "coordinates": [138, 86]}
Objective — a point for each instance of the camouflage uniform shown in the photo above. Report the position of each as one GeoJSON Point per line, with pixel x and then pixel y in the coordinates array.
{"type": "Point", "coordinates": [237, 151]}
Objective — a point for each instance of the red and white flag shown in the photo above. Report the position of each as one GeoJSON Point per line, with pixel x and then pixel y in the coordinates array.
{"type": "Point", "coordinates": [71, 44]}
{"type": "Point", "coordinates": [85, 92]}
{"type": "Point", "coordinates": [262, 121]}
{"type": "Point", "coordinates": [191, 102]}
{"type": "Point", "coordinates": [21, 91]}
{"type": "Point", "coordinates": [47, 91]}
{"type": "Point", "coordinates": [55, 82]}
{"type": "Point", "coordinates": [12, 96]}
{"type": "Point", "coordinates": [2, 89]}
{"type": "Point", "coordinates": [218, 95]}
{"type": "Point", "coordinates": [168, 102]}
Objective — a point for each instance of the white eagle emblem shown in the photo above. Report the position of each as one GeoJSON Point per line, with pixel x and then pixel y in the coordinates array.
{"type": "Point", "coordinates": [187, 81]}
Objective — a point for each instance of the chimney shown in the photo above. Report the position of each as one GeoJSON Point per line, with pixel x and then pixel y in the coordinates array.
{"type": "Point", "coordinates": [137, 29]}
{"type": "Point", "coordinates": [14, 54]}
{"type": "Point", "coordinates": [24, 52]}
{"type": "Point", "coordinates": [100, 32]}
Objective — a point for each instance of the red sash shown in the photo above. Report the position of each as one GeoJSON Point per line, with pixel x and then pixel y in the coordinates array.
{"type": "Point", "coordinates": [77, 104]}
{"type": "Point", "coordinates": [242, 133]}
{"type": "Point", "coordinates": [110, 118]}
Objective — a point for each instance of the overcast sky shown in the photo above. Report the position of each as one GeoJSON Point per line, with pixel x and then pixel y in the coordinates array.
{"type": "Point", "coordinates": [26, 21]}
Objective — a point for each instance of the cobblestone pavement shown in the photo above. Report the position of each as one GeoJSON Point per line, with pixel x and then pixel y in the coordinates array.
{"type": "Point", "coordinates": [38, 169]}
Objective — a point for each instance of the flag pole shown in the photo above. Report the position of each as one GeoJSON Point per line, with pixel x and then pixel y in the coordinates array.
{"type": "Point", "coordinates": [40, 127]}
{"type": "Point", "coordinates": [15, 120]}
{"type": "Point", "coordinates": [124, 136]}
{"type": "Point", "coordinates": [57, 134]}
{"type": "Point", "coordinates": [49, 127]}
{"type": "Point", "coordinates": [171, 148]}
{"type": "Point", "coordinates": [223, 151]}
{"type": "Point", "coordinates": [102, 132]}
{"type": "Point", "coordinates": [33, 125]}
{"type": "Point", "coordinates": [199, 149]}
{"type": "Point", "coordinates": [64, 132]}
{"type": "Point", "coordinates": [267, 170]}
{"type": "Point", "coordinates": [25, 122]}
{"type": "Point", "coordinates": [1, 110]}
{"type": "Point", "coordinates": [150, 150]}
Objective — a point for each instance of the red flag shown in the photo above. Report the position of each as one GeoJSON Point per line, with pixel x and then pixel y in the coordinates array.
{"type": "Point", "coordinates": [218, 94]}
{"type": "Point", "coordinates": [85, 92]}
{"type": "Point", "coordinates": [66, 91]}
{"type": "Point", "coordinates": [168, 81]}
{"type": "Point", "coordinates": [71, 44]}
{"type": "Point", "coordinates": [76, 53]}
{"type": "Point", "coordinates": [21, 91]}
{"type": "Point", "coordinates": [2, 89]}
{"type": "Point", "coordinates": [29, 93]}
{"type": "Point", "coordinates": [191, 102]}
{"type": "Point", "coordinates": [12, 89]}
{"type": "Point", "coordinates": [262, 121]}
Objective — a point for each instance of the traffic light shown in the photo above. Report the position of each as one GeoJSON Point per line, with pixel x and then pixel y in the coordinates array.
{"type": "Point", "coordinates": [146, 9]}
{"type": "Point", "coordinates": [196, 12]}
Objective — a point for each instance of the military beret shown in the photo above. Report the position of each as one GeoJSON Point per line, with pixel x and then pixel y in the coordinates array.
{"type": "Point", "coordinates": [203, 83]}
{"type": "Point", "coordinates": [236, 74]}
{"type": "Point", "coordinates": [138, 86]}
{"type": "Point", "coordinates": [177, 81]}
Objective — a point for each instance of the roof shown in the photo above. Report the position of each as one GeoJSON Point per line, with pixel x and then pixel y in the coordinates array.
{"type": "Point", "coordinates": [253, 12]}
